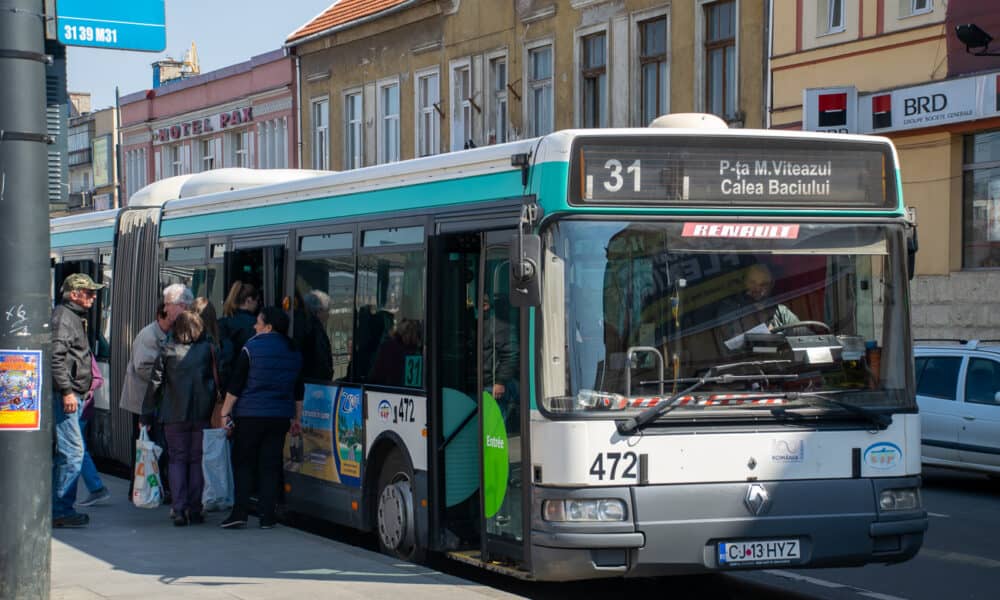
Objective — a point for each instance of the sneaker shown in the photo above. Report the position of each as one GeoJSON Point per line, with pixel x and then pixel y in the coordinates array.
{"type": "Point", "coordinates": [71, 521]}
{"type": "Point", "coordinates": [180, 521]}
{"type": "Point", "coordinates": [196, 517]}
{"type": "Point", "coordinates": [268, 523]}
{"type": "Point", "coordinates": [233, 522]}
{"type": "Point", "coordinates": [100, 497]}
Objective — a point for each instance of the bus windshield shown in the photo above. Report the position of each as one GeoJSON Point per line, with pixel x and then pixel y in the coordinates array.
{"type": "Point", "coordinates": [785, 310]}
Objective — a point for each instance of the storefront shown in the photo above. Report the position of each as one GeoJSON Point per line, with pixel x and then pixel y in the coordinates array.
{"type": "Point", "coordinates": [947, 134]}
{"type": "Point", "coordinates": [238, 116]}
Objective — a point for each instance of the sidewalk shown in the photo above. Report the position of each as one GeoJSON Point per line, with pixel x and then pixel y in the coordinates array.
{"type": "Point", "coordinates": [128, 552]}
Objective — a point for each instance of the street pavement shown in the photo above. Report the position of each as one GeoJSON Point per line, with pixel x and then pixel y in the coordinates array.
{"type": "Point", "coordinates": [128, 552]}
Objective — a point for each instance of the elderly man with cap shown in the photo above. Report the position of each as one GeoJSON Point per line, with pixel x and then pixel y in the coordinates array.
{"type": "Point", "coordinates": [71, 378]}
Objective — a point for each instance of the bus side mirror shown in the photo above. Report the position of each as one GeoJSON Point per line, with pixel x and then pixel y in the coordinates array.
{"type": "Point", "coordinates": [525, 270]}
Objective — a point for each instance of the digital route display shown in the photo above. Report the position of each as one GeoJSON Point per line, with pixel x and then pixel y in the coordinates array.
{"type": "Point", "coordinates": [725, 171]}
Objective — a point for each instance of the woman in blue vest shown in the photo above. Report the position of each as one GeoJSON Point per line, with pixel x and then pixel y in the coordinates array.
{"type": "Point", "coordinates": [263, 403]}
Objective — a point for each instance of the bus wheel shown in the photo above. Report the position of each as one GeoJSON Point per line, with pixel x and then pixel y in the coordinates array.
{"type": "Point", "coordinates": [394, 512]}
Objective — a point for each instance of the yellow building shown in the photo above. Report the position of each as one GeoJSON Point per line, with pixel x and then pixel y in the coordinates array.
{"type": "Point", "coordinates": [386, 80]}
{"type": "Point", "coordinates": [897, 68]}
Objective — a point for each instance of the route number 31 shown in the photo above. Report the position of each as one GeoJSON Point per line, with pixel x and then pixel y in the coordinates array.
{"type": "Point", "coordinates": [616, 181]}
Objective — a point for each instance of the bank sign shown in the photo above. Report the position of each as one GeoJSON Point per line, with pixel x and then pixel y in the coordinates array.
{"type": "Point", "coordinates": [917, 107]}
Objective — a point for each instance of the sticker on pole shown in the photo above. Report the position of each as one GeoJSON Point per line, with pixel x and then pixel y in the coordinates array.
{"type": "Point", "coordinates": [20, 389]}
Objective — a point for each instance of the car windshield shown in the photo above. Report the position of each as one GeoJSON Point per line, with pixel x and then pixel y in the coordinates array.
{"type": "Point", "coordinates": [635, 312]}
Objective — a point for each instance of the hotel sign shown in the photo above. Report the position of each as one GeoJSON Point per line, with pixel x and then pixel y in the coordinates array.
{"type": "Point", "coordinates": [207, 125]}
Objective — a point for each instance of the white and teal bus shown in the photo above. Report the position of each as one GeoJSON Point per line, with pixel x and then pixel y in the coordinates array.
{"type": "Point", "coordinates": [600, 353]}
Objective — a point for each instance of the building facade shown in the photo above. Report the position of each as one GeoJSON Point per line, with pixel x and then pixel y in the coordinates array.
{"type": "Point", "coordinates": [392, 80]}
{"type": "Point", "coordinates": [239, 116]}
{"type": "Point", "coordinates": [91, 160]}
{"type": "Point", "coordinates": [897, 68]}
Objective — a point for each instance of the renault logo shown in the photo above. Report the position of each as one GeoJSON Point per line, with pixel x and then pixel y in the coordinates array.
{"type": "Point", "coordinates": [757, 500]}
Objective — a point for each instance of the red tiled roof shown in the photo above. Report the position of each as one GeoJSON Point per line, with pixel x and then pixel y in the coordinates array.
{"type": "Point", "coordinates": [341, 12]}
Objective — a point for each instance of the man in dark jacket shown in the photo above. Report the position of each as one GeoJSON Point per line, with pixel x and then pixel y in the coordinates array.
{"type": "Point", "coordinates": [71, 378]}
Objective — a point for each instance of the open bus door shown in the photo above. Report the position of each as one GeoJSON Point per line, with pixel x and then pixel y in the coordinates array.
{"type": "Point", "coordinates": [261, 263]}
{"type": "Point", "coordinates": [478, 384]}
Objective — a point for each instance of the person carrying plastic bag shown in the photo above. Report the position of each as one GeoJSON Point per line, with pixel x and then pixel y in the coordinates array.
{"type": "Point", "coordinates": [217, 471]}
{"type": "Point", "coordinates": [146, 489]}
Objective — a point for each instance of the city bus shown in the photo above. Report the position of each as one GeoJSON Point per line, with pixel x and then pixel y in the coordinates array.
{"type": "Point", "coordinates": [598, 353]}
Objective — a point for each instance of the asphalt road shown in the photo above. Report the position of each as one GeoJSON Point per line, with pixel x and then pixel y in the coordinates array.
{"type": "Point", "coordinates": [960, 560]}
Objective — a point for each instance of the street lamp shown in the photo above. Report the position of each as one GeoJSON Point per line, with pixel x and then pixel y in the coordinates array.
{"type": "Point", "coordinates": [973, 37]}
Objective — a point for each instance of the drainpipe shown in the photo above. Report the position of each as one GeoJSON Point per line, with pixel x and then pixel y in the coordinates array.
{"type": "Point", "coordinates": [298, 100]}
{"type": "Point", "coordinates": [769, 44]}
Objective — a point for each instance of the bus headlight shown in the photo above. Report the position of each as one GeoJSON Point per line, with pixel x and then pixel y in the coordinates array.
{"type": "Point", "coordinates": [603, 509]}
{"type": "Point", "coordinates": [900, 499]}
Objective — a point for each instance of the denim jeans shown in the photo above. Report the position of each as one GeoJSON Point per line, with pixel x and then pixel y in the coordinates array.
{"type": "Point", "coordinates": [68, 459]}
{"type": "Point", "coordinates": [88, 471]}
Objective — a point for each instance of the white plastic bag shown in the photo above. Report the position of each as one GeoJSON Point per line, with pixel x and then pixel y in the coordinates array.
{"type": "Point", "coordinates": [217, 470]}
{"type": "Point", "coordinates": [147, 491]}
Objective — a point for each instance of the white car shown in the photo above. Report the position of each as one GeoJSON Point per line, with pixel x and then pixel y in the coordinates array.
{"type": "Point", "coordinates": [958, 392]}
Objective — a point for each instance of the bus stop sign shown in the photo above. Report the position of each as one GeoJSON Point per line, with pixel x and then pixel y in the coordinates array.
{"type": "Point", "coordinates": [115, 24]}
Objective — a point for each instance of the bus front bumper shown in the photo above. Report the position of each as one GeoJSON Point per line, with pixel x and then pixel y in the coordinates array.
{"type": "Point", "coordinates": [678, 529]}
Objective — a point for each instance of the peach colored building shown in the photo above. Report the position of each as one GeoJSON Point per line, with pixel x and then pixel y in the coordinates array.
{"type": "Point", "coordinates": [243, 115]}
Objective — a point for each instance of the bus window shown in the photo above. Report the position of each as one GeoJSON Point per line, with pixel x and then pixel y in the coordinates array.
{"type": "Point", "coordinates": [324, 290]}
{"type": "Point", "coordinates": [103, 350]}
{"type": "Point", "coordinates": [388, 344]}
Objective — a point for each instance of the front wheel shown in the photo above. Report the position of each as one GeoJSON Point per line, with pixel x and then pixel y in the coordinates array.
{"type": "Point", "coordinates": [394, 510]}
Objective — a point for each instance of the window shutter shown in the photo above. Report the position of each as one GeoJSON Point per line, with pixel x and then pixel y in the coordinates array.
{"type": "Point", "coordinates": [157, 167]}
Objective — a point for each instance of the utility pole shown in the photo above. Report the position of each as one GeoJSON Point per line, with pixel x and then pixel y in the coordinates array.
{"type": "Point", "coordinates": [25, 308]}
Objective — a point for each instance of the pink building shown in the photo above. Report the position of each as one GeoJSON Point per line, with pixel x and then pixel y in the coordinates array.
{"type": "Point", "coordinates": [243, 115]}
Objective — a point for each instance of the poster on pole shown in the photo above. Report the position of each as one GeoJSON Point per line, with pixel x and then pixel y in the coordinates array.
{"type": "Point", "coordinates": [20, 389]}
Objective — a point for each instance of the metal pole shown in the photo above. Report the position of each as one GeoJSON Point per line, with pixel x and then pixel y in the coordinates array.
{"type": "Point", "coordinates": [25, 308]}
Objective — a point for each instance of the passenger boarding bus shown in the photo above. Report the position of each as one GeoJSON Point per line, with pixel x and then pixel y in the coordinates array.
{"type": "Point", "coordinates": [599, 353]}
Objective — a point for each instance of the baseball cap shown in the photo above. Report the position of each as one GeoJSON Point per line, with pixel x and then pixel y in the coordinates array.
{"type": "Point", "coordinates": [80, 281]}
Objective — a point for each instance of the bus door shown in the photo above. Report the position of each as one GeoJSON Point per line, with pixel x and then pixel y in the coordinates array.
{"type": "Point", "coordinates": [477, 357]}
{"type": "Point", "coordinates": [261, 263]}
{"type": "Point", "coordinates": [500, 420]}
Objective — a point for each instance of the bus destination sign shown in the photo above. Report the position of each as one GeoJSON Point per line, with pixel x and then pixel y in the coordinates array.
{"type": "Point", "coordinates": [749, 172]}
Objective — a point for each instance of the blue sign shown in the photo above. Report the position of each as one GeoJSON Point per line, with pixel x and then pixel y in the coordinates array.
{"type": "Point", "coordinates": [115, 24]}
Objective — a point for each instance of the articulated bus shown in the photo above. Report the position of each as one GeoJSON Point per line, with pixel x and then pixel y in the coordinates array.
{"type": "Point", "coordinates": [599, 353]}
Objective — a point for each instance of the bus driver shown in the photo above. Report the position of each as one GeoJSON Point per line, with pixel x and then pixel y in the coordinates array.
{"type": "Point", "coordinates": [752, 307]}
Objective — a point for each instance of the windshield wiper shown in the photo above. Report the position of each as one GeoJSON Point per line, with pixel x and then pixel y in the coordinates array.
{"type": "Point", "coordinates": [631, 424]}
{"type": "Point", "coordinates": [880, 420]}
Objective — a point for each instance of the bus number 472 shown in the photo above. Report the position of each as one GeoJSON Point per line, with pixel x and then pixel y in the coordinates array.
{"type": "Point", "coordinates": [615, 465]}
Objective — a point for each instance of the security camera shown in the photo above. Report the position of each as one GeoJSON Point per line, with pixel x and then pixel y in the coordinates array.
{"type": "Point", "coordinates": [973, 37]}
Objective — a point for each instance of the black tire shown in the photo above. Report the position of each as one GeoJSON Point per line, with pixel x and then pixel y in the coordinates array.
{"type": "Point", "coordinates": [395, 512]}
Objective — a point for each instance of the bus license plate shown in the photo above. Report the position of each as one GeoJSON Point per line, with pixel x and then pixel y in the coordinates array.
{"type": "Point", "coordinates": [758, 552]}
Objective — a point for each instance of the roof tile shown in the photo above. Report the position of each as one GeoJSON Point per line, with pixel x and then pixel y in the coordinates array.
{"type": "Point", "coordinates": [340, 13]}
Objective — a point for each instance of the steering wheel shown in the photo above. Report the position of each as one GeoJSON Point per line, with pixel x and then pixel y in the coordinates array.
{"type": "Point", "coordinates": [810, 324]}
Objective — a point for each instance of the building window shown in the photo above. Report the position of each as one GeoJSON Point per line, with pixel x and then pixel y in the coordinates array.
{"type": "Point", "coordinates": [239, 148]}
{"type": "Point", "coordinates": [720, 58]}
{"type": "Point", "coordinates": [135, 171]}
{"type": "Point", "coordinates": [428, 120]}
{"type": "Point", "coordinates": [653, 69]}
{"type": "Point", "coordinates": [909, 8]}
{"type": "Point", "coordinates": [321, 134]}
{"type": "Point", "coordinates": [461, 106]}
{"type": "Point", "coordinates": [207, 152]}
{"type": "Point", "coordinates": [830, 16]}
{"type": "Point", "coordinates": [352, 130]}
{"type": "Point", "coordinates": [594, 73]}
{"type": "Point", "coordinates": [388, 107]}
{"type": "Point", "coordinates": [265, 141]}
{"type": "Point", "coordinates": [176, 157]}
{"type": "Point", "coordinates": [981, 201]}
{"type": "Point", "coordinates": [540, 91]}
{"type": "Point", "coordinates": [498, 101]}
